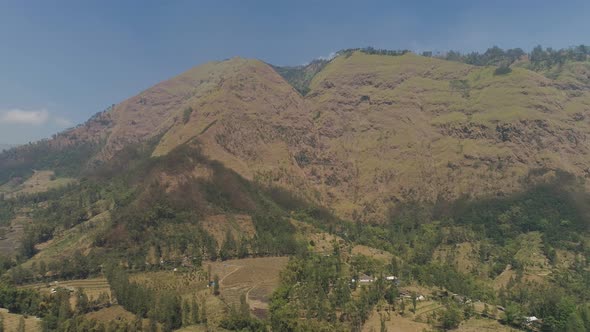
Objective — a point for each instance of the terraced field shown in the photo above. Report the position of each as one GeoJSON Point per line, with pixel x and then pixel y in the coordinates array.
{"type": "Point", "coordinates": [10, 241]}
{"type": "Point", "coordinates": [11, 322]}
{"type": "Point", "coordinates": [255, 277]}
{"type": "Point", "coordinates": [92, 287]}
{"type": "Point", "coordinates": [40, 181]}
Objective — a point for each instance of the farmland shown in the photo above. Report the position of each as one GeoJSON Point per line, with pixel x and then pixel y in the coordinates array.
{"type": "Point", "coordinates": [256, 277]}
{"type": "Point", "coordinates": [40, 181]}
{"type": "Point", "coordinates": [11, 322]}
{"type": "Point", "coordinates": [12, 234]}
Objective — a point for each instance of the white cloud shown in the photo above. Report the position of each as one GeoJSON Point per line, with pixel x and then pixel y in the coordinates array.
{"type": "Point", "coordinates": [63, 122]}
{"type": "Point", "coordinates": [18, 116]}
{"type": "Point", "coordinates": [35, 118]}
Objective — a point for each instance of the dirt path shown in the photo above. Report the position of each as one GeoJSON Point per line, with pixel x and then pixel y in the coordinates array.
{"type": "Point", "coordinates": [237, 267]}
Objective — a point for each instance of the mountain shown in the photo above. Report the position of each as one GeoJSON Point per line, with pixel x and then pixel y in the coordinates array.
{"type": "Point", "coordinates": [371, 132]}
{"type": "Point", "coordinates": [466, 178]}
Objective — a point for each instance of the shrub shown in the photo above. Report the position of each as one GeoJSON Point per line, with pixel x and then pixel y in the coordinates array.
{"type": "Point", "coordinates": [502, 70]}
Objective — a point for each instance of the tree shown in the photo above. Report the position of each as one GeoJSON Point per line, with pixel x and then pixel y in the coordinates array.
{"type": "Point", "coordinates": [574, 323]}
{"type": "Point", "coordinates": [153, 325]}
{"type": "Point", "coordinates": [21, 324]}
{"type": "Point", "coordinates": [538, 57]}
{"type": "Point", "coordinates": [243, 248]}
{"type": "Point", "coordinates": [186, 116]}
{"type": "Point", "coordinates": [503, 70]}
{"type": "Point", "coordinates": [137, 325]}
{"type": "Point", "coordinates": [195, 312]}
{"type": "Point", "coordinates": [216, 285]}
{"type": "Point", "coordinates": [81, 301]}
{"type": "Point", "coordinates": [42, 268]}
{"type": "Point", "coordinates": [512, 314]}
{"type": "Point", "coordinates": [451, 318]}
{"type": "Point", "coordinates": [186, 314]}
{"type": "Point", "coordinates": [244, 307]}
{"type": "Point", "coordinates": [228, 248]}
{"type": "Point", "coordinates": [203, 312]}
{"type": "Point", "coordinates": [391, 295]}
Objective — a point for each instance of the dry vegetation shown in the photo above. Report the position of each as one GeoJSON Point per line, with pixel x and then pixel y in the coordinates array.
{"type": "Point", "coordinates": [10, 240]}
{"type": "Point", "coordinates": [11, 322]}
{"type": "Point", "coordinates": [40, 181]}
{"type": "Point", "coordinates": [240, 226]}
{"type": "Point", "coordinates": [372, 130]}
{"type": "Point", "coordinates": [93, 287]}
{"type": "Point", "coordinates": [255, 277]}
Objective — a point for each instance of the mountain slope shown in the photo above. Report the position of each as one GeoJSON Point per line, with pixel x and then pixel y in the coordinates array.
{"type": "Point", "coordinates": [415, 128]}
{"type": "Point", "coordinates": [372, 131]}
{"type": "Point", "coordinates": [466, 183]}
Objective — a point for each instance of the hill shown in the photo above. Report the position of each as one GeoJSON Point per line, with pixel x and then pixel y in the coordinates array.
{"type": "Point", "coordinates": [372, 131]}
{"type": "Point", "coordinates": [448, 175]}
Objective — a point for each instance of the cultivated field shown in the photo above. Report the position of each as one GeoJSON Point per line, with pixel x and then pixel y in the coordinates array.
{"type": "Point", "coordinates": [394, 323]}
{"type": "Point", "coordinates": [115, 312]}
{"type": "Point", "coordinates": [482, 325]}
{"type": "Point", "coordinates": [11, 321]}
{"type": "Point", "coordinates": [255, 277]}
{"type": "Point", "coordinates": [186, 284]}
{"type": "Point", "coordinates": [40, 181]}
{"type": "Point", "coordinates": [378, 254]}
{"type": "Point", "coordinates": [10, 240]}
{"type": "Point", "coordinates": [92, 287]}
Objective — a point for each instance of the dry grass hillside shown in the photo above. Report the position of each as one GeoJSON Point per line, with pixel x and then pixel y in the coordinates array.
{"type": "Point", "coordinates": [372, 130]}
{"type": "Point", "coordinates": [410, 127]}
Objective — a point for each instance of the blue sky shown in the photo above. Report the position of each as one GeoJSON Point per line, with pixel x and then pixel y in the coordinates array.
{"type": "Point", "coordinates": [62, 61]}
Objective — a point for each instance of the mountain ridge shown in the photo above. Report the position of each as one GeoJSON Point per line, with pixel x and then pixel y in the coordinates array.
{"type": "Point", "coordinates": [372, 130]}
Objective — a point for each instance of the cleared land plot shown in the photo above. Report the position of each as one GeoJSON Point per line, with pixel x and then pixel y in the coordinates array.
{"type": "Point", "coordinates": [40, 181]}
{"type": "Point", "coordinates": [189, 285]}
{"type": "Point", "coordinates": [64, 244]}
{"type": "Point", "coordinates": [483, 324]}
{"type": "Point", "coordinates": [394, 323]}
{"type": "Point", "coordinates": [11, 239]}
{"type": "Point", "coordinates": [114, 313]}
{"type": "Point", "coordinates": [11, 321]}
{"type": "Point", "coordinates": [378, 254]}
{"type": "Point", "coordinates": [255, 277]}
{"type": "Point", "coordinates": [186, 284]}
{"type": "Point", "coordinates": [92, 287]}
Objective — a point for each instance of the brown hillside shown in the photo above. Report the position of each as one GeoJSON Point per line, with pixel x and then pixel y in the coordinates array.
{"type": "Point", "coordinates": [372, 131]}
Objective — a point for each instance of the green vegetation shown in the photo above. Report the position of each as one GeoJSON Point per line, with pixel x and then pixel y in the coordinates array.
{"type": "Point", "coordinates": [138, 214]}
{"type": "Point", "coordinates": [300, 76]}
{"type": "Point", "coordinates": [163, 307]}
{"type": "Point", "coordinates": [540, 59]}
{"type": "Point", "coordinates": [186, 115]}
{"type": "Point", "coordinates": [68, 161]}
{"type": "Point", "coordinates": [319, 289]}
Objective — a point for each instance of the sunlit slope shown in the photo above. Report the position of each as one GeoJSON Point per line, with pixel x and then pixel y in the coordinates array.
{"type": "Point", "coordinates": [372, 130]}
{"type": "Point", "coordinates": [396, 128]}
